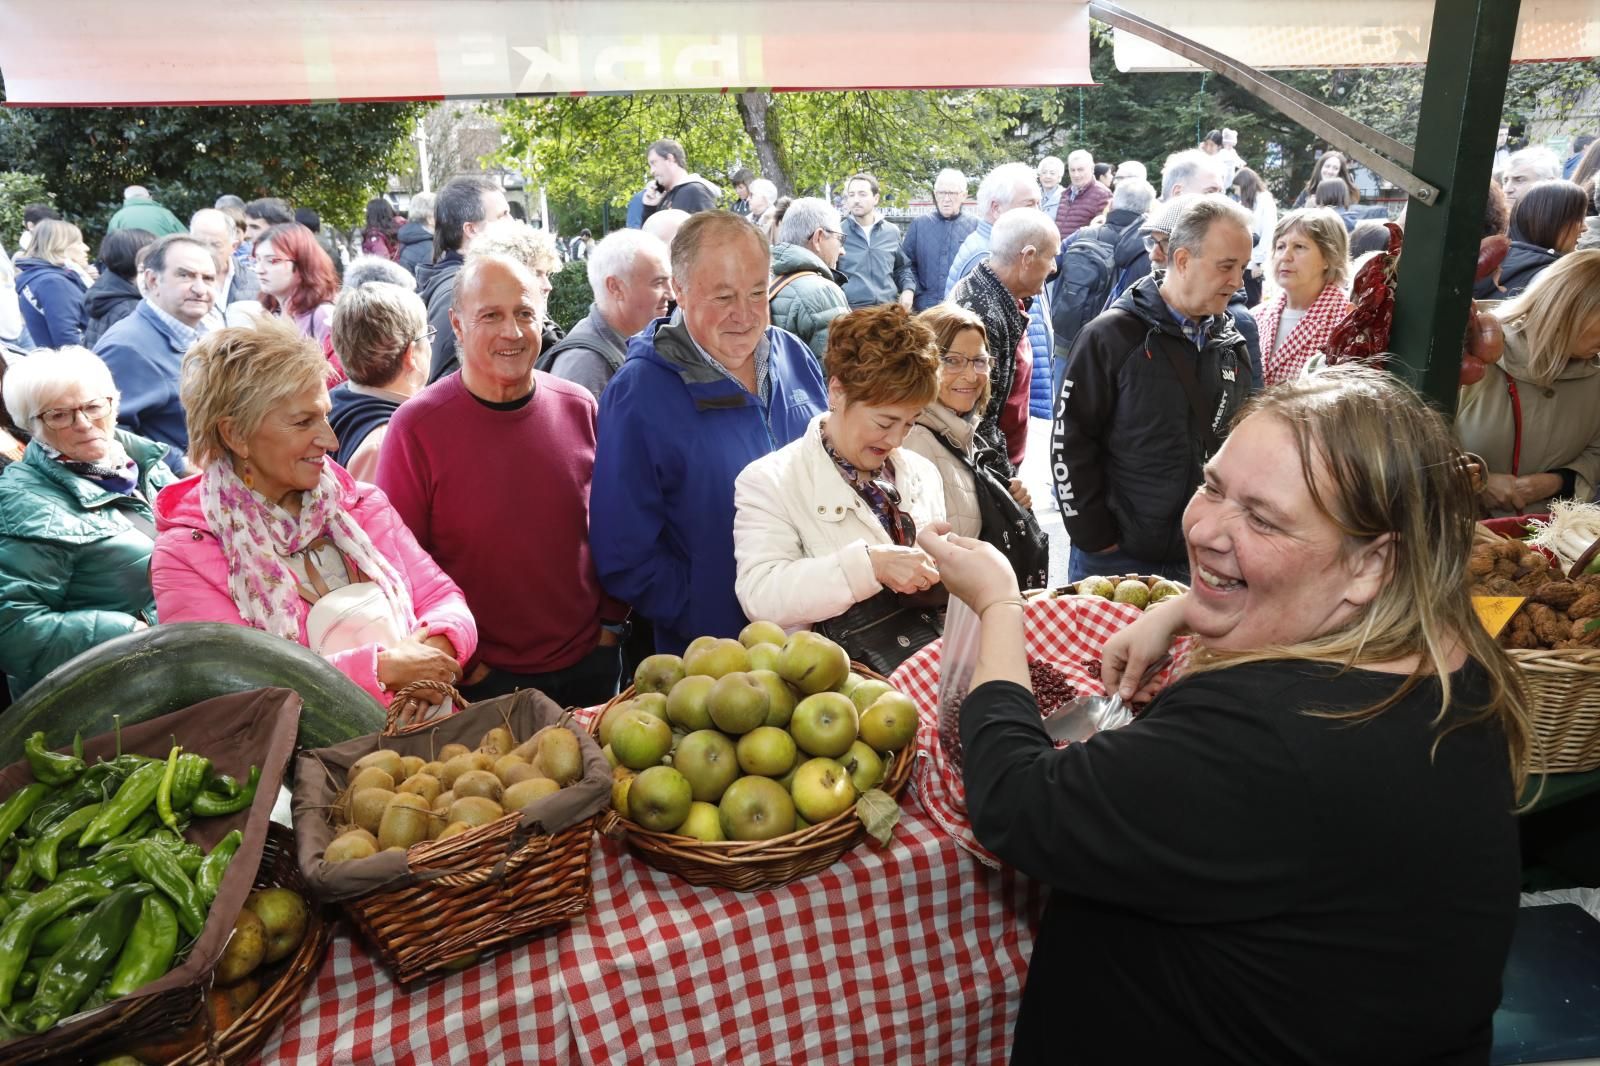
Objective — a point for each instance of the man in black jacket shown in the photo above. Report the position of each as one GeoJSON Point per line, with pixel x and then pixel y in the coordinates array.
{"type": "Point", "coordinates": [1150, 388]}
{"type": "Point", "coordinates": [460, 212]}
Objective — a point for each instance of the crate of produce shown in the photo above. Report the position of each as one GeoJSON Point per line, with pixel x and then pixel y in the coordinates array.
{"type": "Point", "coordinates": [1553, 637]}
{"type": "Point", "coordinates": [762, 734]}
{"type": "Point", "coordinates": [457, 838]}
{"type": "Point", "coordinates": [1124, 588]}
{"type": "Point", "coordinates": [128, 866]}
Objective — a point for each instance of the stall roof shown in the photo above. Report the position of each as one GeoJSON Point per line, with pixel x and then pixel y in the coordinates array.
{"type": "Point", "coordinates": [109, 52]}
{"type": "Point", "coordinates": [1319, 33]}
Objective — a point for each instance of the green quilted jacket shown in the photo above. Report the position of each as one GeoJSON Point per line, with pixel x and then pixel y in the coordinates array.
{"type": "Point", "coordinates": [74, 571]}
{"type": "Point", "coordinates": [807, 305]}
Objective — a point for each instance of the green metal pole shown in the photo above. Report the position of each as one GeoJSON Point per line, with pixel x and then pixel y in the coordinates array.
{"type": "Point", "coordinates": [1463, 92]}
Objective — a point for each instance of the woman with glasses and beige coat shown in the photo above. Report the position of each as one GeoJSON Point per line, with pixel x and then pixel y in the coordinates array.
{"type": "Point", "coordinates": [76, 527]}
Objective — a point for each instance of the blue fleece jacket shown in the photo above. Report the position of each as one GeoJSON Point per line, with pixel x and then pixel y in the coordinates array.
{"type": "Point", "coordinates": [144, 355]}
{"type": "Point", "coordinates": [674, 434]}
{"type": "Point", "coordinates": [51, 298]}
{"type": "Point", "coordinates": [974, 250]}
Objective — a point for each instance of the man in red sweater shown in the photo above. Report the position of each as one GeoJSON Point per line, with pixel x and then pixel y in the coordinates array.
{"type": "Point", "coordinates": [490, 467]}
{"type": "Point", "coordinates": [1083, 199]}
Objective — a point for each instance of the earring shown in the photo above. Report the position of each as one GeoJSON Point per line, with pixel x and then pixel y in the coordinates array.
{"type": "Point", "coordinates": [249, 478]}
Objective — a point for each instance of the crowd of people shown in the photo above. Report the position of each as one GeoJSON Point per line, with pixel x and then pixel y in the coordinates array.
{"type": "Point", "coordinates": [778, 411]}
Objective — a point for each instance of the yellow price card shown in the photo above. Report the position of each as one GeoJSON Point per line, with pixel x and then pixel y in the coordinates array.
{"type": "Point", "coordinates": [1495, 611]}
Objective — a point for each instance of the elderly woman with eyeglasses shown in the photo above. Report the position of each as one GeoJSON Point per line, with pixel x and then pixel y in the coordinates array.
{"type": "Point", "coordinates": [828, 522]}
{"type": "Point", "coordinates": [76, 528]}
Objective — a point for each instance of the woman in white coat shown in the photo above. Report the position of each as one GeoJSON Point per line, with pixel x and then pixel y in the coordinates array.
{"type": "Point", "coordinates": [830, 520]}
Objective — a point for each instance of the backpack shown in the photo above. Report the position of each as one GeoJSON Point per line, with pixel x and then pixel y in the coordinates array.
{"type": "Point", "coordinates": [1083, 288]}
{"type": "Point", "coordinates": [1004, 522]}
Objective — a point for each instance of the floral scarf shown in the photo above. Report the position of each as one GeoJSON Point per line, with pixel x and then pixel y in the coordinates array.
{"type": "Point", "coordinates": [117, 472]}
{"type": "Point", "coordinates": [877, 488]}
{"type": "Point", "coordinates": [253, 533]}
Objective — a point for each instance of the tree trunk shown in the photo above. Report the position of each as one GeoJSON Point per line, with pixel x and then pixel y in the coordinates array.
{"type": "Point", "coordinates": [761, 115]}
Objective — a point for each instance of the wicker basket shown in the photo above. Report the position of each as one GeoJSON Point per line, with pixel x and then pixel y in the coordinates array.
{"type": "Point", "coordinates": [480, 890]}
{"type": "Point", "coordinates": [750, 866]}
{"type": "Point", "coordinates": [1563, 695]}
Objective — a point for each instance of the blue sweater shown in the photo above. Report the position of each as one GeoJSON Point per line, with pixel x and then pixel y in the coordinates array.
{"type": "Point", "coordinates": [930, 245]}
{"type": "Point", "coordinates": [144, 355]}
{"type": "Point", "coordinates": [974, 250]}
{"type": "Point", "coordinates": [674, 434]}
{"type": "Point", "coordinates": [51, 297]}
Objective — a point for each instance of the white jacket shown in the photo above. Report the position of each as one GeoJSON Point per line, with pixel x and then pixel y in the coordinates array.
{"type": "Point", "coordinates": [800, 532]}
{"type": "Point", "coordinates": [1263, 220]}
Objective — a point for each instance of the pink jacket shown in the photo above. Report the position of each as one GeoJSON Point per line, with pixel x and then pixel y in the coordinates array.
{"type": "Point", "coordinates": [190, 577]}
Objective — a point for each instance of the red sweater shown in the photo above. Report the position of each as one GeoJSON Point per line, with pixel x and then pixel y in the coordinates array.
{"type": "Point", "coordinates": [500, 499]}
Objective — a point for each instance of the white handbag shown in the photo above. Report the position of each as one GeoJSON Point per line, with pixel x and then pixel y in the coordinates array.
{"type": "Point", "coordinates": [349, 617]}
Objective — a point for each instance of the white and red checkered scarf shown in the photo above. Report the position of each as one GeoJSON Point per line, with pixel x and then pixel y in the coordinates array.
{"type": "Point", "coordinates": [1309, 336]}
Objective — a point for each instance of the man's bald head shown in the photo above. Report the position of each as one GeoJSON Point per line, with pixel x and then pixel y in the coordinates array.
{"type": "Point", "coordinates": [217, 232]}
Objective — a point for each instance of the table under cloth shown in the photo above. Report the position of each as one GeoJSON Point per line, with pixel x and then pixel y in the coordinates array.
{"type": "Point", "coordinates": [913, 953]}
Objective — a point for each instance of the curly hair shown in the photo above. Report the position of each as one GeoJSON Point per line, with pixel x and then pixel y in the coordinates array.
{"type": "Point", "coordinates": [533, 248]}
{"type": "Point", "coordinates": [316, 281]}
{"type": "Point", "coordinates": [882, 356]}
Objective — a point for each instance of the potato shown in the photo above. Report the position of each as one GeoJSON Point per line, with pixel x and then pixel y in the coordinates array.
{"type": "Point", "coordinates": [385, 760]}
{"type": "Point", "coordinates": [246, 948]}
{"type": "Point", "coordinates": [367, 807]}
{"type": "Point", "coordinates": [372, 777]}
{"type": "Point", "coordinates": [226, 1004]}
{"type": "Point", "coordinates": [284, 914]}
{"type": "Point", "coordinates": [479, 783]}
{"type": "Point", "coordinates": [406, 821]}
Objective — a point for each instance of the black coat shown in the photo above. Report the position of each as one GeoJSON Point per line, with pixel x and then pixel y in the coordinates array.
{"type": "Point", "coordinates": [416, 246]}
{"type": "Point", "coordinates": [1522, 264]}
{"type": "Point", "coordinates": [109, 300]}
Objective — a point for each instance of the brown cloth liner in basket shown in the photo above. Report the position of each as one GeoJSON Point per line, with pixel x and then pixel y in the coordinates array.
{"type": "Point", "coordinates": [234, 732]}
{"type": "Point", "coordinates": [315, 790]}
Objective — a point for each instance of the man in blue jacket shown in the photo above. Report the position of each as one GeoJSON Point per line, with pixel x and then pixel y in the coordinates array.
{"type": "Point", "coordinates": [700, 396]}
{"type": "Point", "coordinates": [145, 350]}
{"type": "Point", "coordinates": [933, 239]}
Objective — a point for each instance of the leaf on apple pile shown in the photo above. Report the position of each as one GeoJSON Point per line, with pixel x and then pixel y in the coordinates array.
{"type": "Point", "coordinates": [879, 812]}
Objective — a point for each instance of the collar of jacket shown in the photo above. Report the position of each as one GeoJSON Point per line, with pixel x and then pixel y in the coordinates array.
{"type": "Point", "coordinates": [957, 429]}
{"type": "Point", "coordinates": [616, 344]}
{"type": "Point", "coordinates": [986, 285]}
{"type": "Point", "coordinates": [826, 491]}
{"type": "Point", "coordinates": [90, 501]}
{"type": "Point", "coordinates": [1514, 362]}
{"type": "Point", "coordinates": [709, 388]}
{"type": "Point", "coordinates": [1143, 300]}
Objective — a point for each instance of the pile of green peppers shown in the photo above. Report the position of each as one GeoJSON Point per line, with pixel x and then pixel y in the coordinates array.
{"type": "Point", "coordinates": [103, 894]}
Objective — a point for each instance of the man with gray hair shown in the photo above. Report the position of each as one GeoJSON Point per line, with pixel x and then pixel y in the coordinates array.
{"type": "Point", "coordinates": [1527, 168]}
{"type": "Point", "coordinates": [932, 240]}
{"type": "Point", "coordinates": [1190, 172]}
{"type": "Point", "coordinates": [630, 274]}
{"type": "Point", "coordinates": [807, 290]}
{"type": "Point", "coordinates": [763, 194]}
{"type": "Point", "coordinates": [1024, 244]}
{"type": "Point", "coordinates": [139, 211]}
{"type": "Point", "coordinates": [1150, 388]}
{"type": "Point", "coordinates": [368, 268]}
{"type": "Point", "coordinates": [416, 236]}
{"type": "Point", "coordinates": [1051, 170]}
{"type": "Point", "coordinates": [217, 231]}
{"type": "Point", "coordinates": [1083, 199]}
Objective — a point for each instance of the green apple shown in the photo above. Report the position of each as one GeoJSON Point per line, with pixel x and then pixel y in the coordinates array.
{"type": "Point", "coordinates": [738, 703]}
{"type": "Point", "coordinates": [767, 751]}
{"type": "Point", "coordinates": [652, 703]}
{"type": "Point", "coordinates": [640, 740]}
{"type": "Point", "coordinates": [718, 659]}
{"type": "Point", "coordinates": [822, 789]}
{"type": "Point", "coordinates": [890, 722]}
{"type": "Point", "coordinates": [787, 780]}
{"type": "Point", "coordinates": [658, 673]}
{"type": "Point", "coordinates": [780, 697]}
{"type": "Point", "coordinates": [756, 808]}
{"type": "Point", "coordinates": [697, 644]}
{"type": "Point", "coordinates": [851, 680]}
{"type": "Point", "coordinates": [765, 657]}
{"type": "Point", "coordinates": [863, 694]}
{"type": "Point", "coordinates": [704, 822]}
{"type": "Point", "coordinates": [864, 766]}
{"type": "Point", "coordinates": [823, 724]}
{"type": "Point", "coordinates": [611, 756]}
{"type": "Point", "coordinates": [762, 633]}
{"type": "Point", "coordinates": [710, 762]}
{"type": "Point", "coordinates": [813, 663]}
{"type": "Point", "coordinates": [686, 705]}
{"type": "Point", "coordinates": [800, 823]}
{"type": "Point", "coordinates": [621, 781]}
{"type": "Point", "coordinates": [659, 799]}
{"type": "Point", "coordinates": [613, 714]}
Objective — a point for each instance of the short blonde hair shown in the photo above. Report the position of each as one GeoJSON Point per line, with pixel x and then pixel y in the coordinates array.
{"type": "Point", "coordinates": [1554, 310]}
{"type": "Point", "coordinates": [240, 374]}
{"type": "Point", "coordinates": [54, 239]}
{"type": "Point", "coordinates": [373, 325]}
{"type": "Point", "coordinates": [882, 356]}
{"type": "Point", "coordinates": [1326, 230]}
{"type": "Point", "coordinates": [949, 321]}
{"type": "Point", "coordinates": [533, 248]}
{"type": "Point", "coordinates": [33, 381]}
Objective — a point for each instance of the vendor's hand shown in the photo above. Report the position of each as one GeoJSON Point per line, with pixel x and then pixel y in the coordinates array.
{"type": "Point", "coordinates": [1019, 492]}
{"type": "Point", "coordinates": [973, 570]}
{"type": "Point", "coordinates": [903, 570]}
{"type": "Point", "coordinates": [442, 643]}
{"type": "Point", "coordinates": [412, 660]}
{"type": "Point", "coordinates": [1131, 650]}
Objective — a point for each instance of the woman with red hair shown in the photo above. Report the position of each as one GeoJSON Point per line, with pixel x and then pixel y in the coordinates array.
{"type": "Point", "coordinates": [298, 282]}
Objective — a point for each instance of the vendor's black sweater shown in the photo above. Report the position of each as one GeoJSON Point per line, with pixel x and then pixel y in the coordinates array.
{"type": "Point", "coordinates": [1239, 882]}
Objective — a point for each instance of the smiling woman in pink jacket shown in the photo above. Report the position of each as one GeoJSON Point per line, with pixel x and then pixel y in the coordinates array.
{"type": "Point", "coordinates": [274, 534]}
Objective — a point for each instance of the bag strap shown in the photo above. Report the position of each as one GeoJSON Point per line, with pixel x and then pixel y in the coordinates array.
{"type": "Point", "coordinates": [1516, 422]}
{"type": "Point", "coordinates": [784, 282]}
{"type": "Point", "coordinates": [1191, 389]}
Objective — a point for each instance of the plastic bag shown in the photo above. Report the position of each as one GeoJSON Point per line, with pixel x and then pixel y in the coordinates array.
{"type": "Point", "coordinates": [958, 660]}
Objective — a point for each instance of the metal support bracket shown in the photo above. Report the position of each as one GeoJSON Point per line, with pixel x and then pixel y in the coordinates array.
{"type": "Point", "coordinates": [1378, 152]}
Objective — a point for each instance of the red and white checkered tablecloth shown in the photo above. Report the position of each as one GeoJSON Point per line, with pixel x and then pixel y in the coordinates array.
{"type": "Point", "coordinates": [910, 953]}
{"type": "Point", "coordinates": [1068, 632]}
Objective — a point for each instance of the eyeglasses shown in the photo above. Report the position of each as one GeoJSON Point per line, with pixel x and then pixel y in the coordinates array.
{"type": "Point", "coordinates": [1151, 243]}
{"type": "Point", "coordinates": [62, 417]}
{"type": "Point", "coordinates": [427, 335]}
{"type": "Point", "coordinates": [836, 234]}
{"type": "Point", "coordinates": [958, 363]}
{"type": "Point", "coordinates": [277, 260]}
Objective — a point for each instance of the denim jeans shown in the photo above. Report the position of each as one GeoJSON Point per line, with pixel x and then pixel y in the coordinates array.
{"type": "Point", "coordinates": [1110, 564]}
{"type": "Point", "coordinates": [589, 681]}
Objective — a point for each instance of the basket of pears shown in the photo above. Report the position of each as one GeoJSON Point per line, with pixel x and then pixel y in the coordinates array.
{"type": "Point", "coordinates": [448, 842]}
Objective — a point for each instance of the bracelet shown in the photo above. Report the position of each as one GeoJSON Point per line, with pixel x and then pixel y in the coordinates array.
{"type": "Point", "coordinates": [1017, 602]}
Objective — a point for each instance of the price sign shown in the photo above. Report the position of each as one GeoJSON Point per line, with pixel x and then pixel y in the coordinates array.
{"type": "Point", "coordinates": [1495, 611]}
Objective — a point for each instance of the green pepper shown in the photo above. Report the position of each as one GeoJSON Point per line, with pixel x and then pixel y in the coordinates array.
{"type": "Point", "coordinates": [6, 906]}
{"type": "Point", "coordinates": [209, 880]}
{"type": "Point", "coordinates": [164, 789]}
{"type": "Point", "coordinates": [45, 849]}
{"type": "Point", "coordinates": [189, 855]}
{"type": "Point", "coordinates": [21, 875]}
{"type": "Point", "coordinates": [24, 923]}
{"type": "Point", "coordinates": [150, 948]}
{"type": "Point", "coordinates": [107, 871]}
{"type": "Point", "coordinates": [77, 744]}
{"type": "Point", "coordinates": [57, 933]}
{"type": "Point", "coordinates": [49, 767]}
{"type": "Point", "coordinates": [231, 799]}
{"type": "Point", "coordinates": [138, 829]}
{"type": "Point", "coordinates": [158, 866]}
{"type": "Point", "coordinates": [131, 800]}
{"type": "Point", "coordinates": [97, 781]}
{"type": "Point", "coordinates": [28, 979]}
{"type": "Point", "coordinates": [82, 961]}
{"type": "Point", "coordinates": [16, 809]}
{"type": "Point", "coordinates": [190, 779]}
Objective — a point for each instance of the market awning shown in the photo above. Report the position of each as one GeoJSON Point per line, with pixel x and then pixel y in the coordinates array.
{"type": "Point", "coordinates": [1320, 33]}
{"type": "Point", "coordinates": [106, 52]}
